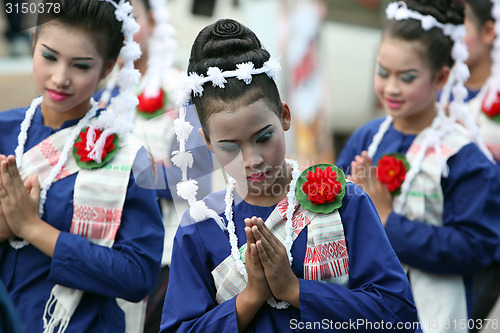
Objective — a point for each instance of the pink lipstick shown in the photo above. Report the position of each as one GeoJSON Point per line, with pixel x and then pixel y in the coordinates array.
{"type": "Point", "coordinates": [393, 103]}
{"type": "Point", "coordinates": [58, 96]}
{"type": "Point", "coordinates": [257, 177]}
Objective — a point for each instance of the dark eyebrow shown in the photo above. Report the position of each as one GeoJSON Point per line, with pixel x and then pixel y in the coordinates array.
{"type": "Point", "coordinates": [403, 72]}
{"type": "Point", "coordinates": [75, 58]}
{"type": "Point", "coordinates": [259, 131]}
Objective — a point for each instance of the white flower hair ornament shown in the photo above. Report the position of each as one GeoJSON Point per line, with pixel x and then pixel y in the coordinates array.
{"type": "Point", "coordinates": [458, 109]}
{"type": "Point", "coordinates": [161, 50]}
{"type": "Point", "coordinates": [193, 84]}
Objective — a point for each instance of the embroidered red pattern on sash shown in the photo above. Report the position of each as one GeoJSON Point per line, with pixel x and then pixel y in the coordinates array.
{"type": "Point", "coordinates": [445, 150]}
{"type": "Point", "coordinates": [50, 153]}
{"type": "Point", "coordinates": [326, 261]}
{"type": "Point", "coordinates": [95, 222]}
{"type": "Point", "coordinates": [300, 219]}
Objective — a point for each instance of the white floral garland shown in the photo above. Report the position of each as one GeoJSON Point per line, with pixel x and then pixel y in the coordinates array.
{"type": "Point", "coordinates": [458, 109]}
{"type": "Point", "coordinates": [187, 188]}
{"type": "Point", "coordinates": [161, 47]}
{"type": "Point", "coordinates": [233, 239]}
{"type": "Point", "coordinates": [118, 116]}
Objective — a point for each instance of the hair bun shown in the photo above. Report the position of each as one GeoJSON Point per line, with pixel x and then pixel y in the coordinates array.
{"type": "Point", "coordinates": [228, 28]}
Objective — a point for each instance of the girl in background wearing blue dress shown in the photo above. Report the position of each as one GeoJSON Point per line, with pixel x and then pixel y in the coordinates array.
{"type": "Point", "coordinates": [77, 231]}
{"type": "Point", "coordinates": [482, 22]}
{"type": "Point", "coordinates": [435, 191]}
{"type": "Point", "coordinates": [320, 261]}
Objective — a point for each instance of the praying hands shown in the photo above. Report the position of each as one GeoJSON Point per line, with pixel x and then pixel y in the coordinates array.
{"type": "Point", "coordinates": [19, 205]}
{"type": "Point", "coordinates": [18, 200]}
{"type": "Point", "coordinates": [364, 174]}
{"type": "Point", "coordinates": [271, 256]}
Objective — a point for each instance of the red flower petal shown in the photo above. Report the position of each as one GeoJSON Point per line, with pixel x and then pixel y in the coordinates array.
{"type": "Point", "coordinates": [494, 109]}
{"type": "Point", "coordinates": [151, 104]}
{"type": "Point", "coordinates": [321, 185]}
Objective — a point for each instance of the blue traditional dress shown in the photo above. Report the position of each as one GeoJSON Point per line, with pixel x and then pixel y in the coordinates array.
{"type": "Point", "coordinates": [127, 270]}
{"type": "Point", "coordinates": [465, 239]}
{"type": "Point", "coordinates": [377, 289]}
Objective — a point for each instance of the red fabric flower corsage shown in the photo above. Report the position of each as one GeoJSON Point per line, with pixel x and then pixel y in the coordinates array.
{"type": "Point", "coordinates": [150, 107]}
{"type": "Point", "coordinates": [81, 154]}
{"type": "Point", "coordinates": [320, 188]}
{"type": "Point", "coordinates": [493, 112]}
{"type": "Point", "coordinates": [391, 171]}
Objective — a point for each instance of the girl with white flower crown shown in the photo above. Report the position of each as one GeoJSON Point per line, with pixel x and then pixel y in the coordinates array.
{"type": "Point", "coordinates": [435, 190]}
{"type": "Point", "coordinates": [277, 249]}
{"type": "Point", "coordinates": [76, 229]}
{"type": "Point", "coordinates": [482, 23]}
{"type": "Point", "coordinates": [154, 127]}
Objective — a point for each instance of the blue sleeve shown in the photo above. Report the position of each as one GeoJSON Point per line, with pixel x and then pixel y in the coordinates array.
{"type": "Point", "coordinates": [191, 290]}
{"type": "Point", "coordinates": [469, 237]}
{"type": "Point", "coordinates": [130, 267]}
{"type": "Point", "coordinates": [10, 320]}
{"type": "Point", "coordinates": [378, 288]}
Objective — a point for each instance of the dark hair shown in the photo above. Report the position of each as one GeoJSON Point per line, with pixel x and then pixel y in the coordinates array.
{"type": "Point", "coordinates": [93, 16]}
{"type": "Point", "coordinates": [437, 46]}
{"type": "Point", "coordinates": [224, 44]}
{"type": "Point", "coordinates": [482, 10]}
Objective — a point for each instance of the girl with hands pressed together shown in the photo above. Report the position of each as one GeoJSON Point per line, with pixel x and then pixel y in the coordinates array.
{"type": "Point", "coordinates": [78, 235]}
{"type": "Point", "coordinates": [278, 250]}
{"type": "Point", "coordinates": [435, 190]}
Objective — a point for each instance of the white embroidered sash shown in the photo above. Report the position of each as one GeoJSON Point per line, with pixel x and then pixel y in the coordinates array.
{"type": "Point", "coordinates": [439, 298]}
{"type": "Point", "coordinates": [326, 257]}
{"type": "Point", "coordinates": [99, 195]}
{"type": "Point", "coordinates": [489, 130]}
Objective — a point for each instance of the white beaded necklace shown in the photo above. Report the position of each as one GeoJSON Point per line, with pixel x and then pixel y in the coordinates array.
{"type": "Point", "coordinates": [19, 152]}
{"type": "Point", "coordinates": [233, 239]}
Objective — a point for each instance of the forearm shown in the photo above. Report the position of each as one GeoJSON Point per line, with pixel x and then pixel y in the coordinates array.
{"type": "Point", "coordinates": [40, 234]}
{"type": "Point", "coordinates": [247, 307]}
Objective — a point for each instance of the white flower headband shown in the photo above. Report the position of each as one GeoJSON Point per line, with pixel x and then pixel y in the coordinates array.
{"type": "Point", "coordinates": [493, 82]}
{"type": "Point", "coordinates": [244, 71]}
{"type": "Point", "coordinates": [458, 109]}
{"type": "Point", "coordinates": [187, 188]}
{"type": "Point", "coordinates": [118, 116]}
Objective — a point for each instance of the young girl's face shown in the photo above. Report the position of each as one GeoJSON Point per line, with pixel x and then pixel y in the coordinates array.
{"type": "Point", "coordinates": [474, 39]}
{"type": "Point", "coordinates": [404, 83]}
{"type": "Point", "coordinates": [249, 142]}
{"type": "Point", "coordinates": [66, 69]}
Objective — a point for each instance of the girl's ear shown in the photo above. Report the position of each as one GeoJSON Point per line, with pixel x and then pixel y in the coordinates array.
{"type": "Point", "coordinates": [151, 20]}
{"type": "Point", "coordinates": [488, 33]}
{"type": "Point", "coordinates": [286, 116]}
{"type": "Point", "coordinates": [442, 77]}
{"type": "Point", "coordinates": [206, 140]}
